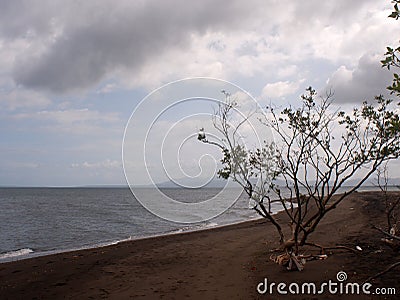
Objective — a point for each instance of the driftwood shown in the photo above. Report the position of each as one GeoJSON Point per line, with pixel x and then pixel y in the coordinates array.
{"type": "Point", "coordinates": [290, 261]}
{"type": "Point", "coordinates": [357, 249]}
{"type": "Point", "coordinates": [295, 262]}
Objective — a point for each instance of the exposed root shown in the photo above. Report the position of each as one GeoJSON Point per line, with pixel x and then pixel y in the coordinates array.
{"type": "Point", "coordinates": [290, 261]}
{"type": "Point", "coordinates": [295, 262]}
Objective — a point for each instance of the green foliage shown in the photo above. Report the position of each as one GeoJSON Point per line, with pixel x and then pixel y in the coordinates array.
{"type": "Point", "coordinates": [392, 59]}
{"type": "Point", "coordinates": [396, 12]}
{"type": "Point", "coordinates": [231, 161]}
{"type": "Point", "coordinates": [392, 56]}
{"type": "Point", "coordinates": [380, 137]}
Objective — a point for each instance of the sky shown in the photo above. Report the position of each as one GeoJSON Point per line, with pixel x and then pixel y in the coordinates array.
{"type": "Point", "coordinates": [73, 72]}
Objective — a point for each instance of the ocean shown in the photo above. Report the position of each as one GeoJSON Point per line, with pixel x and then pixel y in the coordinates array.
{"type": "Point", "coordinates": [40, 221]}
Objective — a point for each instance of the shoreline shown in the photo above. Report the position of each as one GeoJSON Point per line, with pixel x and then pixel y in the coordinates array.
{"type": "Point", "coordinates": [35, 254]}
{"type": "Point", "coordinates": [24, 271]}
{"type": "Point", "coordinates": [194, 227]}
{"type": "Point", "coordinates": [214, 263]}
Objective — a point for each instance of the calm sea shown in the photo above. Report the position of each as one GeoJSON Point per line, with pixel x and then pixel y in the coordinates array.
{"type": "Point", "coordinates": [38, 221]}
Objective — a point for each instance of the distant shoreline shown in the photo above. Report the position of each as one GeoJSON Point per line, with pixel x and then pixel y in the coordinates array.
{"type": "Point", "coordinates": [173, 186]}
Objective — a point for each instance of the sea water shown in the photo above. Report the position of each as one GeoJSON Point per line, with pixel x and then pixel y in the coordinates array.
{"type": "Point", "coordinates": [37, 221]}
{"type": "Point", "coordinates": [40, 221]}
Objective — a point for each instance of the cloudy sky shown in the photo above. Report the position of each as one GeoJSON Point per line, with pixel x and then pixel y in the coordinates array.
{"type": "Point", "coordinates": [72, 72]}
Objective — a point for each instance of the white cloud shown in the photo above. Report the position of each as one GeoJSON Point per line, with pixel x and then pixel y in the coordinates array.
{"type": "Point", "coordinates": [280, 89]}
{"type": "Point", "coordinates": [70, 116]}
{"type": "Point", "coordinates": [106, 164]}
{"type": "Point", "coordinates": [287, 71]}
{"type": "Point", "coordinates": [75, 122]}
{"type": "Point", "coordinates": [336, 31]}
{"type": "Point", "coordinates": [20, 98]}
{"type": "Point", "coordinates": [199, 59]}
{"type": "Point", "coordinates": [108, 88]}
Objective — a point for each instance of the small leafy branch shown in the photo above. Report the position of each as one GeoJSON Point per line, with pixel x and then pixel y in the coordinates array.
{"type": "Point", "coordinates": [392, 59]}
{"type": "Point", "coordinates": [396, 12]}
{"type": "Point", "coordinates": [392, 55]}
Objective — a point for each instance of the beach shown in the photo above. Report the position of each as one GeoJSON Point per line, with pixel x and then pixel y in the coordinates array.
{"type": "Point", "coordinates": [220, 263]}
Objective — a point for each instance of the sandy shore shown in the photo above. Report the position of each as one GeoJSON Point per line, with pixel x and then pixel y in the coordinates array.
{"type": "Point", "coordinates": [220, 263]}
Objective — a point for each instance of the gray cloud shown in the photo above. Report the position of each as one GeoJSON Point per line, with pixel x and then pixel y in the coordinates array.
{"type": "Point", "coordinates": [84, 44]}
{"type": "Point", "coordinates": [339, 11]}
{"type": "Point", "coordinates": [21, 17]}
{"type": "Point", "coordinates": [69, 45]}
{"type": "Point", "coordinates": [365, 81]}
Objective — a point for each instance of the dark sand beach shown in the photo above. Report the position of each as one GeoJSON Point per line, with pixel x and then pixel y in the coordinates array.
{"type": "Point", "coordinates": [220, 263]}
